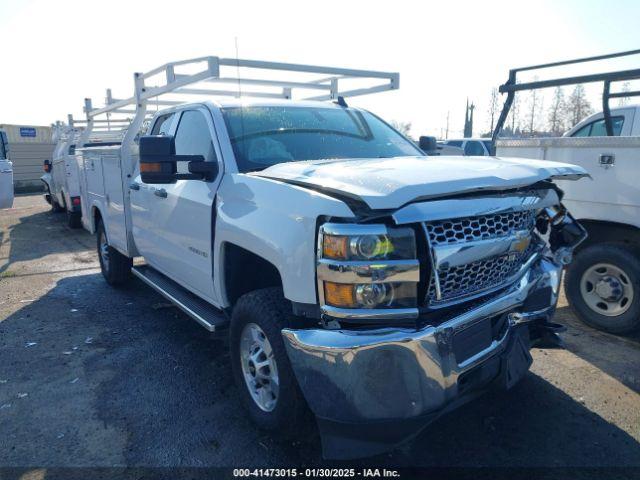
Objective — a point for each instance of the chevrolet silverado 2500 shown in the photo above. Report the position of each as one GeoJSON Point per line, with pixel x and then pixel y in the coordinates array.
{"type": "Point", "coordinates": [356, 277]}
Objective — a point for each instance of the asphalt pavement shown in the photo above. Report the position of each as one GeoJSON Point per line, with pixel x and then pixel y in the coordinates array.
{"type": "Point", "coordinates": [94, 376]}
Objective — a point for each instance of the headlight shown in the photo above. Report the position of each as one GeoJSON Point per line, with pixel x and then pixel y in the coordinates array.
{"type": "Point", "coordinates": [367, 267]}
{"type": "Point", "coordinates": [370, 295]}
{"type": "Point", "coordinates": [392, 244]}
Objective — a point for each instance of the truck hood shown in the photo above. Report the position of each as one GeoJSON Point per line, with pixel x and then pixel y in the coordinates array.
{"type": "Point", "coordinates": [388, 183]}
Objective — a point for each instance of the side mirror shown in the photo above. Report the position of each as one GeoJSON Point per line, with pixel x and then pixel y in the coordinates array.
{"type": "Point", "coordinates": [428, 144]}
{"type": "Point", "coordinates": [47, 166]}
{"type": "Point", "coordinates": [159, 162]}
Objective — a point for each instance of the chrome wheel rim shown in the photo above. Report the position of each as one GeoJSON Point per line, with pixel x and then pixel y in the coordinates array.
{"type": "Point", "coordinates": [104, 251]}
{"type": "Point", "coordinates": [607, 289]}
{"type": "Point", "coordinates": [259, 367]}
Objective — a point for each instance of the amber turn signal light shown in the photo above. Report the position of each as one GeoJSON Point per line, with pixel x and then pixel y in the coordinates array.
{"type": "Point", "coordinates": [150, 168]}
{"type": "Point", "coordinates": [334, 246]}
{"type": "Point", "coordinates": [339, 294]}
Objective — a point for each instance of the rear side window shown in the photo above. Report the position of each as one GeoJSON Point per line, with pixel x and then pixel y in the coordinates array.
{"type": "Point", "coordinates": [163, 125]}
{"type": "Point", "coordinates": [598, 128]}
{"type": "Point", "coordinates": [473, 148]}
{"type": "Point", "coordinates": [193, 138]}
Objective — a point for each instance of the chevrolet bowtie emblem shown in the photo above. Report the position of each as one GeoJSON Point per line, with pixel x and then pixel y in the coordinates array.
{"type": "Point", "coordinates": [522, 241]}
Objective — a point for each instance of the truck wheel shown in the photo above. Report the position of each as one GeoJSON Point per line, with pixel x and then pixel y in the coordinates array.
{"type": "Point", "coordinates": [74, 219]}
{"type": "Point", "coordinates": [603, 287]}
{"type": "Point", "coordinates": [55, 206]}
{"type": "Point", "coordinates": [115, 267]}
{"type": "Point", "coordinates": [261, 367]}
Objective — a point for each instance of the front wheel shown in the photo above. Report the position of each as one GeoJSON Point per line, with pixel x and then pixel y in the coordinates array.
{"type": "Point", "coordinates": [115, 267]}
{"type": "Point", "coordinates": [261, 367]}
{"type": "Point", "coordinates": [603, 287]}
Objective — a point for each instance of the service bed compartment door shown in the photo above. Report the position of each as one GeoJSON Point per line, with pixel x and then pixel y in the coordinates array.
{"type": "Point", "coordinates": [173, 223]}
{"type": "Point", "coordinates": [614, 193]}
{"type": "Point", "coordinates": [114, 198]}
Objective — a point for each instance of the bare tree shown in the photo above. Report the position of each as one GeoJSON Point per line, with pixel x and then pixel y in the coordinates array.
{"type": "Point", "coordinates": [403, 127]}
{"type": "Point", "coordinates": [514, 114]}
{"type": "Point", "coordinates": [557, 112]}
{"type": "Point", "coordinates": [494, 105]}
{"type": "Point", "coordinates": [626, 88]}
{"type": "Point", "coordinates": [533, 106]}
{"type": "Point", "coordinates": [578, 107]}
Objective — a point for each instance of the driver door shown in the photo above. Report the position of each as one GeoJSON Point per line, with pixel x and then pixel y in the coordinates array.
{"type": "Point", "coordinates": [180, 215]}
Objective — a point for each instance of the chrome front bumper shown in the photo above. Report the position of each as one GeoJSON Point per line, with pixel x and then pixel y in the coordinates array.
{"type": "Point", "coordinates": [376, 375]}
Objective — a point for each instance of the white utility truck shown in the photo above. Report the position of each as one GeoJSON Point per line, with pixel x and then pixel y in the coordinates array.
{"type": "Point", "coordinates": [6, 173]}
{"type": "Point", "coordinates": [61, 175]}
{"type": "Point", "coordinates": [354, 276]}
{"type": "Point", "coordinates": [603, 282]}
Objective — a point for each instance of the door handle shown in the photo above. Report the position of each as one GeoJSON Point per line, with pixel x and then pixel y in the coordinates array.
{"type": "Point", "coordinates": [134, 186]}
{"type": "Point", "coordinates": [162, 193]}
{"type": "Point", "coordinates": [607, 160]}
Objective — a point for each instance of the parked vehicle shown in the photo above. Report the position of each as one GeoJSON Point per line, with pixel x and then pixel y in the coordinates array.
{"type": "Point", "coordinates": [603, 282]}
{"type": "Point", "coordinates": [476, 147]}
{"type": "Point", "coordinates": [61, 177]}
{"type": "Point", "coordinates": [354, 276]}
{"type": "Point", "coordinates": [625, 122]}
{"type": "Point", "coordinates": [6, 173]}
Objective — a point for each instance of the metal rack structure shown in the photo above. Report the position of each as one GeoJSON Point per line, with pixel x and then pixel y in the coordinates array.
{"type": "Point", "coordinates": [229, 78]}
{"type": "Point", "coordinates": [512, 86]}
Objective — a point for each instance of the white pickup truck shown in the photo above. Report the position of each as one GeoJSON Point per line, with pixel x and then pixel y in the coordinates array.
{"type": "Point", "coordinates": [6, 173]}
{"type": "Point", "coordinates": [355, 277]}
{"type": "Point", "coordinates": [603, 282]}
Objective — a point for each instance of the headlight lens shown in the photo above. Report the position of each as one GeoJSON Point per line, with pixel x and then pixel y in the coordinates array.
{"type": "Point", "coordinates": [370, 295]}
{"type": "Point", "coordinates": [395, 244]}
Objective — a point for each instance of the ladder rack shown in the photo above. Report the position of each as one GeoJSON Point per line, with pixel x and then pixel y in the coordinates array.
{"type": "Point", "coordinates": [122, 119]}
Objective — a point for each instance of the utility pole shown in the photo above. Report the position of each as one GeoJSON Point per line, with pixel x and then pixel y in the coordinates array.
{"type": "Point", "coordinates": [446, 133]}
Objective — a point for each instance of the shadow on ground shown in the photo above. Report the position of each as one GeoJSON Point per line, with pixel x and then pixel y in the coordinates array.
{"type": "Point", "coordinates": [118, 377]}
{"type": "Point", "coordinates": [38, 235]}
{"type": "Point", "coordinates": [618, 356]}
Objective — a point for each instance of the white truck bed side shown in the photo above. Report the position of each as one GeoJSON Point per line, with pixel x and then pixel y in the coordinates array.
{"type": "Point", "coordinates": [614, 193]}
{"type": "Point", "coordinates": [102, 190]}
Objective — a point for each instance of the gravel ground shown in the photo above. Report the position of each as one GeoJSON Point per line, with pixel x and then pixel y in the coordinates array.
{"type": "Point", "coordinates": [97, 377]}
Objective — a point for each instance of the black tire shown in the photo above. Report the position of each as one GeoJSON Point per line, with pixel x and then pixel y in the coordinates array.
{"type": "Point", "coordinates": [74, 219]}
{"type": "Point", "coordinates": [613, 254]}
{"type": "Point", "coordinates": [268, 309]}
{"type": "Point", "coordinates": [55, 206]}
{"type": "Point", "coordinates": [115, 267]}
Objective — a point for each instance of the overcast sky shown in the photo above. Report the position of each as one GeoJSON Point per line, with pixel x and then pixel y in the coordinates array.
{"type": "Point", "coordinates": [55, 53]}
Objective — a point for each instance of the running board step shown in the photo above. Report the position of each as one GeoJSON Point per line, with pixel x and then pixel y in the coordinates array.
{"type": "Point", "coordinates": [200, 310]}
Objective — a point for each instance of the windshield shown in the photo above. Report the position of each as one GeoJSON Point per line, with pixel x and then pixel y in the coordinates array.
{"type": "Point", "coordinates": [262, 136]}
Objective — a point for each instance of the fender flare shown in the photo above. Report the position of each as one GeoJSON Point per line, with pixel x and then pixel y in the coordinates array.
{"type": "Point", "coordinates": [95, 207]}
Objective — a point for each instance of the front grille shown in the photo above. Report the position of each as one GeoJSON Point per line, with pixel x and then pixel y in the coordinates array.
{"type": "Point", "coordinates": [459, 282]}
{"type": "Point", "coordinates": [479, 228]}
